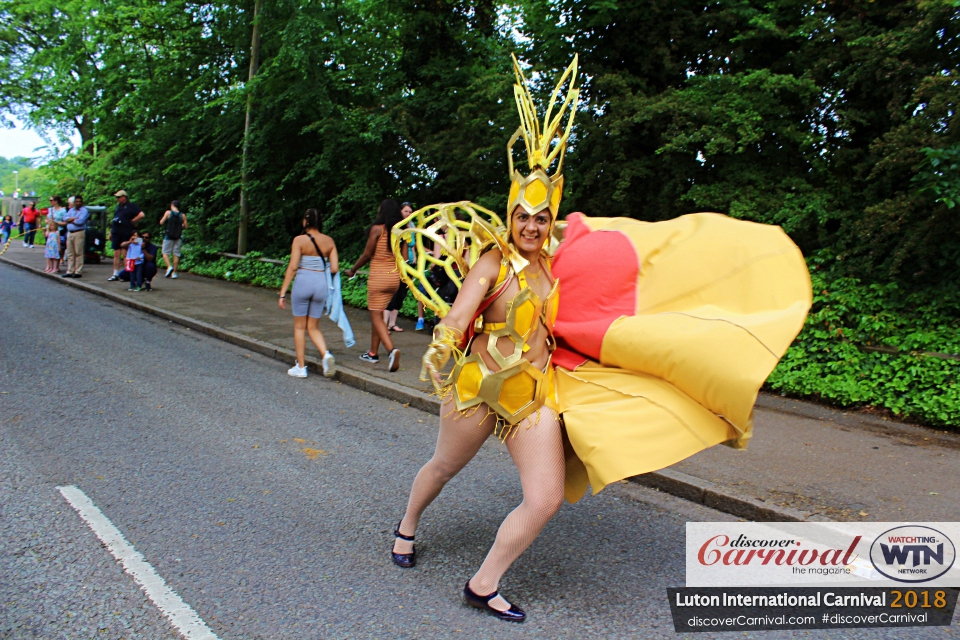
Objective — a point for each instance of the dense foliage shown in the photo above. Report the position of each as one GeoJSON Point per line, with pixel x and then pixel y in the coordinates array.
{"type": "Point", "coordinates": [877, 345]}
{"type": "Point", "coordinates": [834, 119]}
{"type": "Point", "coordinates": [811, 115]}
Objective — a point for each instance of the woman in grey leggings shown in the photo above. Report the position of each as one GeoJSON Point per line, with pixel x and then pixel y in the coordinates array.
{"type": "Point", "coordinates": [313, 259]}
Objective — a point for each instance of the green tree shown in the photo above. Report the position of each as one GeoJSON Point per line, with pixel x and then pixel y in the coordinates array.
{"type": "Point", "coordinates": [50, 64]}
{"type": "Point", "coordinates": [812, 116]}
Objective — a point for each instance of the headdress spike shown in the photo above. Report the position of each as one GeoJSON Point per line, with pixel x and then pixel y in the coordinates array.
{"type": "Point", "coordinates": [538, 191]}
{"type": "Point", "coordinates": [544, 144]}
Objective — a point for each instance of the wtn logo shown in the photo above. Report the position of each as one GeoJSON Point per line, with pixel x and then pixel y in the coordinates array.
{"type": "Point", "coordinates": [912, 553]}
{"type": "Point", "coordinates": [895, 554]}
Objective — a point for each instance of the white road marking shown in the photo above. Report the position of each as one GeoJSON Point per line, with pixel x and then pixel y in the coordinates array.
{"type": "Point", "coordinates": [184, 618]}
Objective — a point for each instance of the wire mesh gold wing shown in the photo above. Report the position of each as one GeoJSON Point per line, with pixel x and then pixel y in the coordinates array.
{"type": "Point", "coordinates": [450, 236]}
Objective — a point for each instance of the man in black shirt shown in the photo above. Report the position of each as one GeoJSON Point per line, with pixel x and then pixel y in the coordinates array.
{"type": "Point", "coordinates": [124, 222]}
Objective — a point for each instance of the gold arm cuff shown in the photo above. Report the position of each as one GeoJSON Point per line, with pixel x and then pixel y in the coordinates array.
{"type": "Point", "coordinates": [446, 342]}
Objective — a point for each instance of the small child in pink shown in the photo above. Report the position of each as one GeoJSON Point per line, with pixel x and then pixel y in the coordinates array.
{"type": "Point", "coordinates": [52, 252]}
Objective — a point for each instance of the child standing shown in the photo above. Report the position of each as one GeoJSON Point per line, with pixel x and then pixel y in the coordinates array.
{"type": "Point", "coordinates": [134, 264]}
{"type": "Point", "coordinates": [5, 228]}
{"type": "Point", "coordinates": [52, 252]}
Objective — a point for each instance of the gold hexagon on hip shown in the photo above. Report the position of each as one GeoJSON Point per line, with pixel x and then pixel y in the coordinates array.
{"type": "Point", "coordinates": [516, 392]}
{"type": "Point", "coordinates": [468, 376]}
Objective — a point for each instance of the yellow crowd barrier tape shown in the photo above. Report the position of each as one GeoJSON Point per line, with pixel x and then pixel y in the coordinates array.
{"type": "Point", "coordinates": [19, 235]}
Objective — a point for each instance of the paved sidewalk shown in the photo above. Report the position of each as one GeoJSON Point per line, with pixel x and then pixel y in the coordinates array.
{"type": "Point", "coordinates": [806, 461]}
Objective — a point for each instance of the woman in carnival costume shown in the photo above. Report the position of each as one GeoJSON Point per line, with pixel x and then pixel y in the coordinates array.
{"type": "Point", "coordinates": [655, 351]}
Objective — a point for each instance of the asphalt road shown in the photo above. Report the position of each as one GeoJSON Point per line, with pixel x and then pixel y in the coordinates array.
{"type": "Point", "coordinates": [267, 502]}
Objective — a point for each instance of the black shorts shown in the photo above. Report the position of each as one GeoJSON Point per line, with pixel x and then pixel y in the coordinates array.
{"type": "Point", "coordinates": [119, 236]}
{"type": "Point", "coordinates": [397, 300]}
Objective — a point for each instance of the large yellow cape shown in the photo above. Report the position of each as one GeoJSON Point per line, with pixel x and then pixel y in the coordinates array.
{"type": "Point", "coordinates": [667, 331]}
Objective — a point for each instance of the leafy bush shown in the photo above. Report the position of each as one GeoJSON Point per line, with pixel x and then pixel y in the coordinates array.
{"type": "Point", "coordinates": [204, 261]}
{"type": "Point", "coordinates": [940, 174]}
{"type": "Point", "coordinates": [832, 358]}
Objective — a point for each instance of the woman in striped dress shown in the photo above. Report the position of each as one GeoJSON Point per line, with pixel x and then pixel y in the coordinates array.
{"type": "Point", "coordinates": [383, 280]}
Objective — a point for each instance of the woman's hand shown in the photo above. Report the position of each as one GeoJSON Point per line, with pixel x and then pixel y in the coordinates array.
{"type": "Point", "coordinates": [350, 272]}
{"type": "Point", "coordinates": [445, 340]}
{"type": "Point", "coordinates": [281, 302]}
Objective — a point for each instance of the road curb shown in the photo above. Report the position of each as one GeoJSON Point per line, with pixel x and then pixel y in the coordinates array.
{"type": "Point", "coordinates": [721, 498]}
{"type": "Point", "coordinates": [676, 483]}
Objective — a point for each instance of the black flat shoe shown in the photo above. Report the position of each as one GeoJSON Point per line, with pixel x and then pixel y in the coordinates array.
{"type": "Point", "coordinates": [513, 614]}
{"type": "Point", "coordinates": [405, 560]}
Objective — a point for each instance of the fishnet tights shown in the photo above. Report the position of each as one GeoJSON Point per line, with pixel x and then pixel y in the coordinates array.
{"type": "Point", "coordinates": [536, 449]}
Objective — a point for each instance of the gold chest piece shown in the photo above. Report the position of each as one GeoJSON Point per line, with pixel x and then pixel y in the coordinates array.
{"type": "Point", "coordinates": [519, 388]}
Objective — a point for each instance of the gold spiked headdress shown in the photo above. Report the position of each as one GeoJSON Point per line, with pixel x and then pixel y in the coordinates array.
{"type": "Point", "coordinates": [539, 190]}
{"type": "Point", "coordinates": [460, 232]}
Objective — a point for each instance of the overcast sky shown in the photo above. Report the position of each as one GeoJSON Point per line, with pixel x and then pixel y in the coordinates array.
{"type": "Point", "coordinates": [23, 142]}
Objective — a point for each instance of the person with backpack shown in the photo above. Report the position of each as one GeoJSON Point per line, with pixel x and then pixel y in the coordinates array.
{"type": "Point", "coordinates": [176, 223]}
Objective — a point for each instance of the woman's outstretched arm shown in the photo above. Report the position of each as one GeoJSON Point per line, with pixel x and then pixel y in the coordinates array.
{"type": "Point", "coordinates": [475, 287]}
{"type": "Point", "coordinates": [368, 251]}
{"type": "Point", "coordinates": [449, 331]}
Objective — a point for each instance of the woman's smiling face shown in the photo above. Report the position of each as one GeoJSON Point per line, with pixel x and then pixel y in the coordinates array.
{"type": "Point", "coordinates": [529, 232]}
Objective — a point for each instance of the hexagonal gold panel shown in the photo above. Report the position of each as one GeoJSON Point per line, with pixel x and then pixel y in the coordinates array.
{"type": "Point", "coordinates": [525, 315]}
{"type": "Point", "coordinates": [468, 381]}
{"type": "Point", "coordinates": [535, 194]}
{"type": "Point", "coordinates": [517, 391]}
{"type": "Point", "coordinates": [522, 314]}
{"type": "Point", "coordinates": [514, 192]}
{"type": "Point", "coordinates": [556, 195]}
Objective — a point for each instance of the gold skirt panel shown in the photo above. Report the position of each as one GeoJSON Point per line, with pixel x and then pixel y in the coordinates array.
{"type": "Point", "coordinates": [512, 393]}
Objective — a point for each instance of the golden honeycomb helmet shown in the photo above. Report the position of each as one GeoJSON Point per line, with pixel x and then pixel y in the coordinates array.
{"type": "Point", "coordinates": [539, 191]}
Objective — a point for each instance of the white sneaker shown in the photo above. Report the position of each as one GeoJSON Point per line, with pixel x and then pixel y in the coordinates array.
{"type": "Point", "coordinates": [297, 371]}
{"type": "Point", "coordinates": [394, 360]}
{"type": "Point", "coordinates": [169, 271]}
{"type": "Point", "coordinates": [174, 276]}
{"type": "Point", "coordinates": [328, 365]}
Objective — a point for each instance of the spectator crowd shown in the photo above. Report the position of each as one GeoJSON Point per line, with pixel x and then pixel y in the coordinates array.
{"type": "Point", "coordinates": [69, 236]}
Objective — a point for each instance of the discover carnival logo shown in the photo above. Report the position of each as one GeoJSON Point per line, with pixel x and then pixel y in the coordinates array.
{"type": "Point", "coordinates": [912, 553]}
{"type": "Point", "coordinates": [746, 551]}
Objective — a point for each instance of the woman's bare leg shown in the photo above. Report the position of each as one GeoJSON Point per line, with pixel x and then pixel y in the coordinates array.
{"type": "Point", "coordinates": [379, 332]}
{"type": "Point", "coordinates": [299, 339]}
{"type": "Point", "coordinates": [316, 336]}
{"type": "Point", "coordinates": [459, 440]}
{"type": "Point", "coordinates": [537, 449]}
